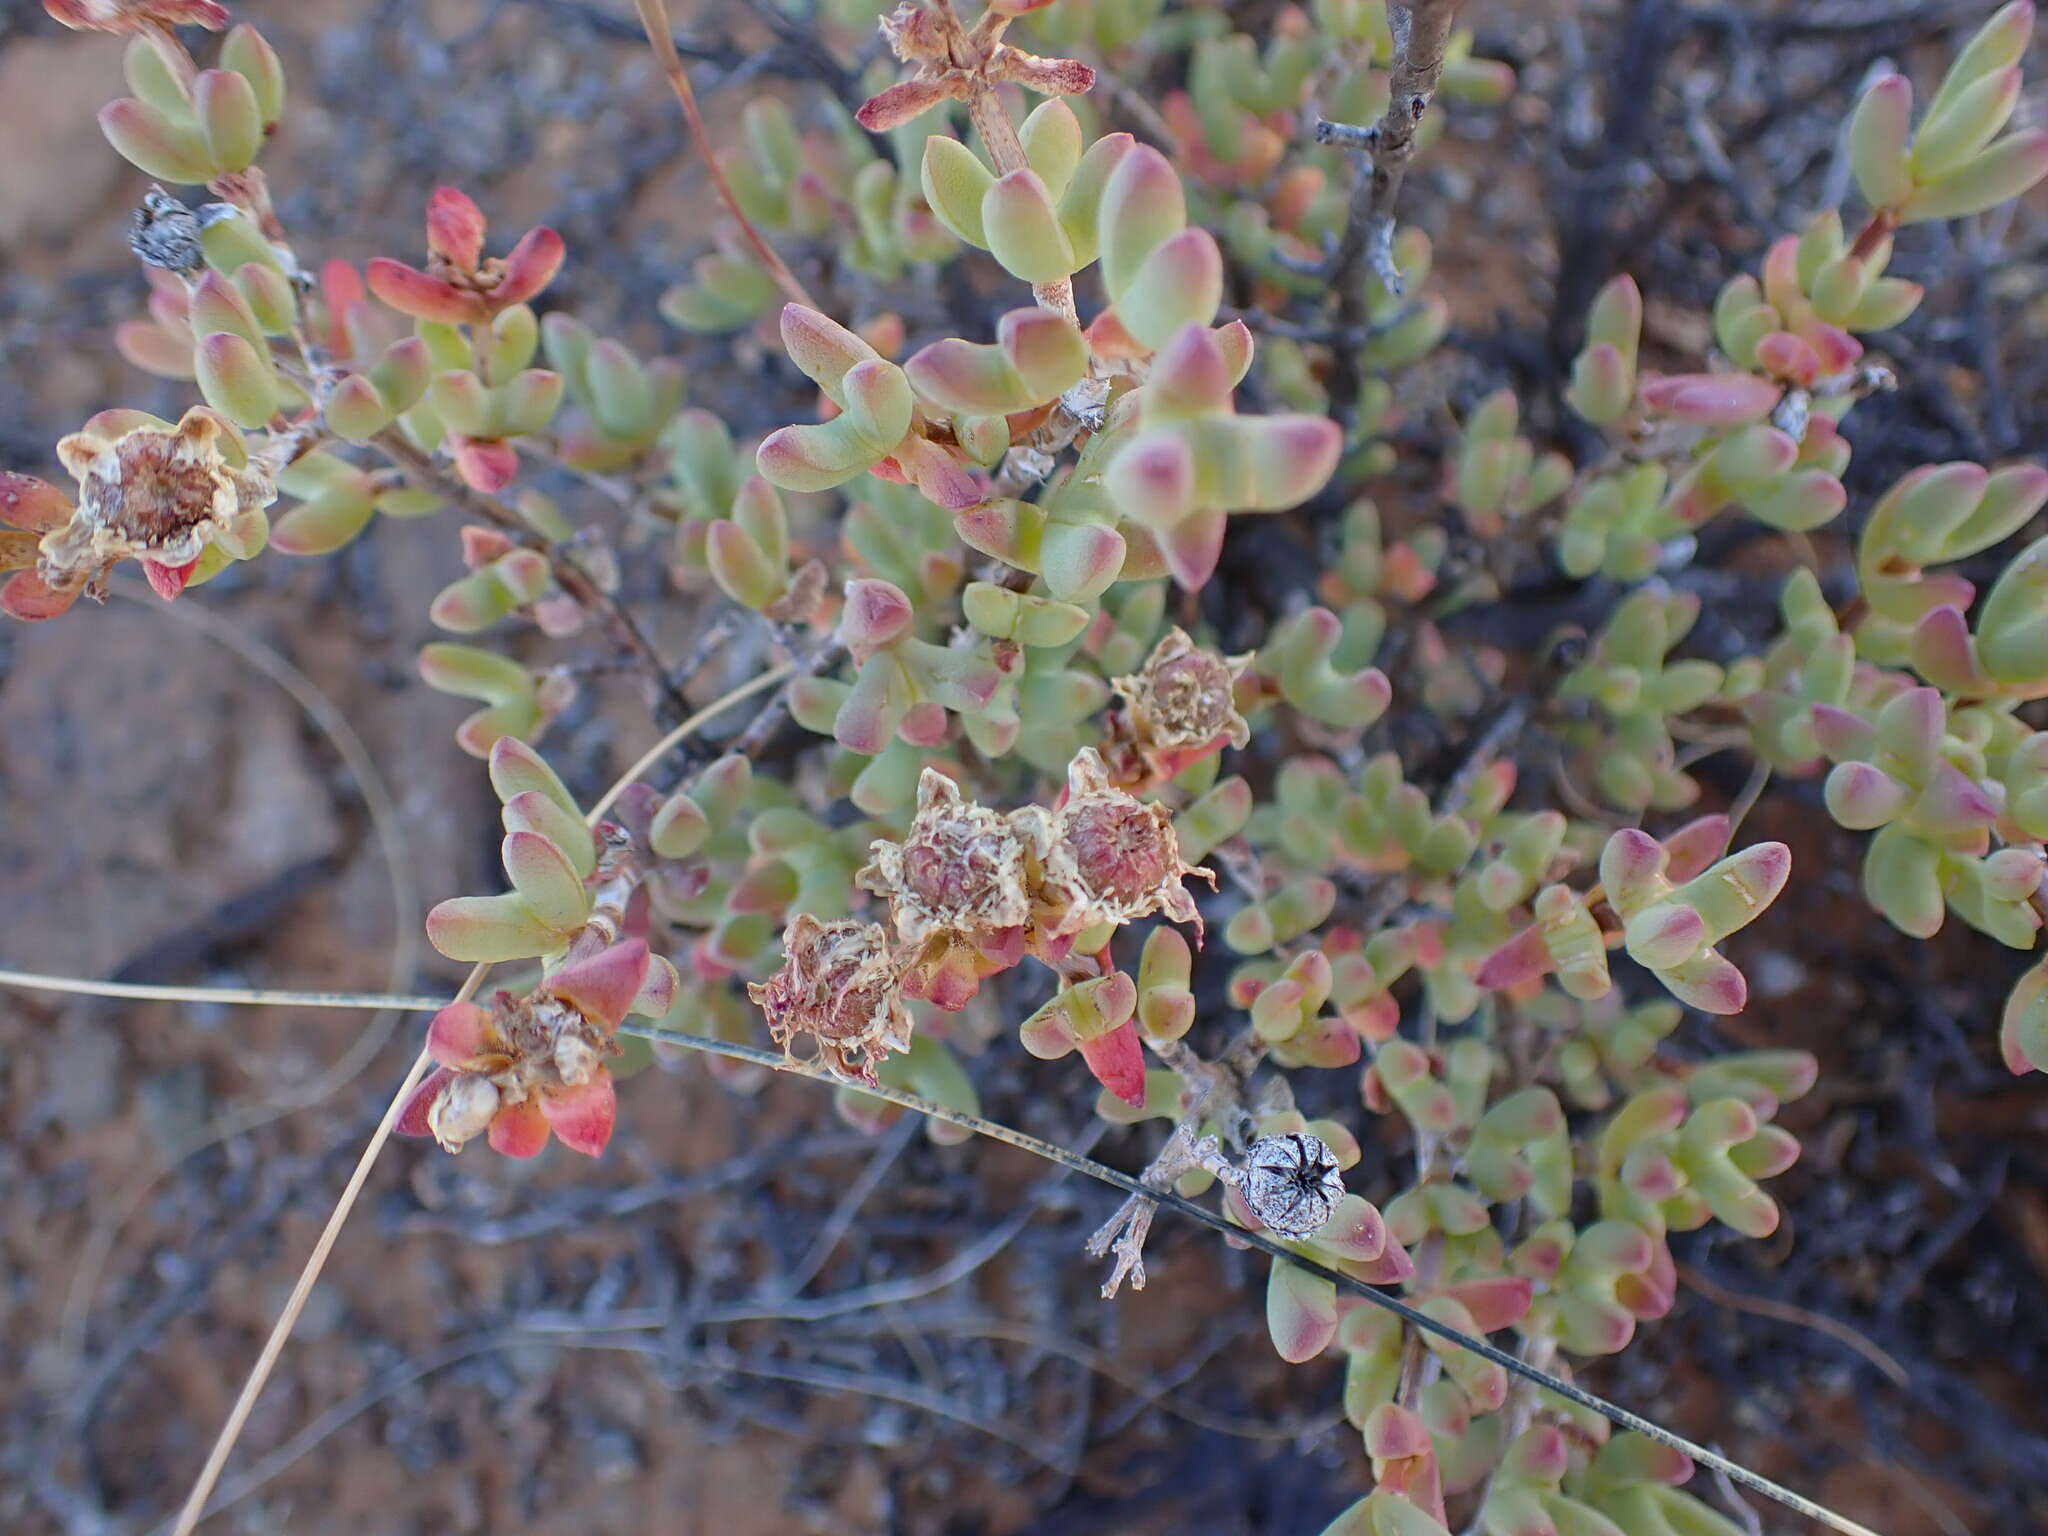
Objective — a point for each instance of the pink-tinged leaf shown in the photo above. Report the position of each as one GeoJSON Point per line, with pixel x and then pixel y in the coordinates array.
{"type": "Point", "coordinates": [1393, 1433]}
{"type": "Point", "coordinates": [820, 346]}
{"type": "Point", "coordinates": [1861, 796]}
{"type": "Point", "coordinates": [868, 717]}
{"type": "Point", "coordinates": [455, 228]}
{"type": "Point", "coordinates": [476, 929]}
{"type": "Point", "coordinates": [923, 724]}
{"type": "Point", "coordinates": [341, 287]}
{"type": "Point", "coordinates": [1953, 802]}
{"type": "Point", "coordinates": [1192, 546]}
{"type": "Point", "coordinates": [33, 505]}
{"type": "Point", "coordinates": [1496, 1302]}
{"type": "Point", "coordinates": [1692, 849]}
{"type": "Point", "coordinates": [1290, 458]}
{"type": "Point", "coordinates": [1179, 284]}
{"type": "Point", "coordinates": [1629, 866]}
{"type": "Point", "coordinates": [1708, 982]}
{"type": "Point", "coordinates": [412, 1119]}
{"type": "Point", "coordinates": [167, 581]}
{"type": "Point", "coordinates": [1108, 339]}
{"type": "Point", "coordinates": [1354, 1231]}
{"type": "Point", "coordinates": [529, 267]}
{"type": "Point", "coordinates": [546, 880]}
{"type": "Point", "coordinates": [1301, 1312]}
{"type": "Point", "coordinates": [1665, 935]}
{"type": "Point", "coordinates": [603, 987]}
{"type": "Point", "coordinates": [1834, 348]}
{"type": "Point", "coordinates": [1117, 1060]}
{"type": "Point", "coordinates": [658, 991]}
{"type": "Point", "coordinates": [1191, 376]}
{"type": "Point", "coordinates": [1521, 960]}
{"type": "Point", "coordinates": [877, 613]}
{"type": "Point", "coordinates": [1878, 131]}
{"type": "Point", "coordinates": [1078, 561]}
{"type": "Point", "coordinates": [1048, 1034]}
{"type": "Point", "coordinates": [156, 144]}
{"type": "Point", "coordinates": [804, 458]}
{"type": "Point", "coordinates": [459, 1034]}
{"type": "Point", "coordinates": [1711, 399]}
{"type": "Point", "coordinates": [412, 292]}
{"type": "Point", "coordinates": [1995, 175]}
{"type": "Point", "coordinates": [1945, 653]}
{"type": "Point", "coordinates": [942, 479]}
{"type": "Point", "coordinates": [1234, 341]}
{"type": "Point", "coordinates": [583, 1116]}
{"type": "Point", "coordinates": [1788, 357]}
{"type": "Point", "coordinates": [2023, 1028]}
{"type": "Point", "coordinates": [1392, 1267]}
{"type": "Point", "coordinates": [1152, 481]}
{"type": "Point", "coordinates": [486, 465]}
{"type": "Point", "coordinates": [520, 1130]}
{"type": "Point", "coordinates": [26, 596]}
{"type": "Point", "coordinates": [1841, 734]}
{"type": "Point", "coordinates": [902, 102]}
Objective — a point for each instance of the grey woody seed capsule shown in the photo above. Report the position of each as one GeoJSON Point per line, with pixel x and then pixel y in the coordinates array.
{"type": "Point", "coordinates": [166, 233]}
{"type": "Point", "coordinates": [1291, 1183]}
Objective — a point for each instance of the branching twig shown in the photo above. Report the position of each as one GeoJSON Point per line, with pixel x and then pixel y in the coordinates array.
{"type": "Point", "coordinates": [1077, 1162]}
{"type": "Point", "coordinates": [1421, 34]}
{"type": "Point", "coordinates": [1215, 1092]}
{"type": "Point", "coordinates": [670, 705]}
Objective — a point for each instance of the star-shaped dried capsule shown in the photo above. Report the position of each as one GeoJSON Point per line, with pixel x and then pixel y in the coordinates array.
{"type": "Point", "coordinates": [953, 62]}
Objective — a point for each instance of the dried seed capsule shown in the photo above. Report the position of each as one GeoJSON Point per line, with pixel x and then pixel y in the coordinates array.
{"type": "Point", "coordinates": [839, 983]}
{"type": "Point", "coordinates": [462, 1110]}
{"type": "Point", "coordinates": [1291, 1183]}
{"type": "Point", "coordinates": [960, 868]}
{"type": "Point", "coordinates": [1180, 705]}
{"type": "Point", "coordinates": [1106, 856]}
{"type": "Point", "coordinates": [166, 233]}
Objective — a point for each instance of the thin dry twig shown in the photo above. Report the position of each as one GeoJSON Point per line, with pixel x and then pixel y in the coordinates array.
{"type": "Point", "coordinates": [238, 1416]}
{"type": "Point", "coordinates": [571, 577]}
{"type": "Point", "coordinates": [1799, 1317]}
{"type": "Point", "coordinates": [1077, 1162]}
{"type": "Point", "coordinates": [385, 826]}
{"type": "Point", "coordinates": [654, 20]}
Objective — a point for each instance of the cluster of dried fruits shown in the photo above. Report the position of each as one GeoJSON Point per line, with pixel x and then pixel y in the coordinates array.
{"type": "Point", "coordinates": [971, 556]}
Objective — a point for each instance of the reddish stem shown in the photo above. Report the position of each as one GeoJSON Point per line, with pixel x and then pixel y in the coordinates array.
{"type": "Point", "coordinates": [654, 20]}
{"type": "Point", "coordinates": [1873, 234]}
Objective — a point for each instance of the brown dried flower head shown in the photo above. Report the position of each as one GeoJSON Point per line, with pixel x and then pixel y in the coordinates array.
{"type": "Point", "coordinates": [1180, 706]}
{"type": "Point", "coordinates": [839, 982]}
{"type": "Point", "coordinates": [1106, 856]}
{"type": "Point", "coordinates": [960, 868]}
{"type": "Point", "coordinates": [156, 493]}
